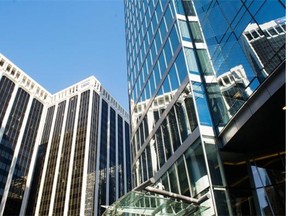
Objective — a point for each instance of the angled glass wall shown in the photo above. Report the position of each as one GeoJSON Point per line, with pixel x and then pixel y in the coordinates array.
{"type": "Point", "coordinates": [246, 42]}
{"type": "Point", "coordinates": [170, 76]}
{"type": "Point", "coordinates": [191, 65]}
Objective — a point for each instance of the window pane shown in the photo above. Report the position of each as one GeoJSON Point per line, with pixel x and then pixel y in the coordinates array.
{"type": "Point", "coordinates": [191, 61]}
{"type": "Point", "coordinates": [183, 180]}
{"type": "Point", "coordinates": [205, 62]}
{"type": "Point", "coordinates": [196, 31]}
{"type": "Point", "coordinates": [184, 30]}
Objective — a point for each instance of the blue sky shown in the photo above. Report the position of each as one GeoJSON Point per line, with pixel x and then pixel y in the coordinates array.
{"type": "Point", "coordinates": [59, 43]}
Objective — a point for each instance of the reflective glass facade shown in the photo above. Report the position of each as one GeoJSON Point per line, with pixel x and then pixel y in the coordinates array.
{"type": "Point", "coordinates": [191, 68]}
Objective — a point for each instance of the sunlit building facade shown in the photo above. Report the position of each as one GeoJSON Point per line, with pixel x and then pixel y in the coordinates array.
{"type": "Point", "coordinates": [234, 86]}
{"type": "Point", "coordinates": [61, 154]}
{"type": "Point", "coordinates": [22, 109]}
{"type": "Point", "coordinates": [179, 52]}
{"type": "Point", "coordinates": [262, 43]}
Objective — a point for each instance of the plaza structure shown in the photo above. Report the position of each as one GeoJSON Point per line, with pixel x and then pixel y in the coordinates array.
{"type": "Point", "coordinates": [203, 122]}
{"type": "Point", "coordinates": [61, 154]}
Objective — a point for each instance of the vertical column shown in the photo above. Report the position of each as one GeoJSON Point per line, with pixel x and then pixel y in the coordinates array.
{"type": "Point", "coordinates": [98, 159]}
{"type": "Point", "coordinates": [124, 155]}
{"type": "Point", "coordinates": [45, 163]}
{"type": "Point", "coordinates": [58, 159]}
{"type": "Point", "coordinates": [33, 159]}
{"type": "Point", "coordinates": [117, 158]}
{"type": "Point", "coordinates": [8, 111]}
{"type": "Point", "coordinates": [86, 156]}
{"type": "Point", "coordinates": [15, 155]}
{"type": "Point", "coordinates": [108, 156]}
{"type": "Point", "coordinates": [66, 205]}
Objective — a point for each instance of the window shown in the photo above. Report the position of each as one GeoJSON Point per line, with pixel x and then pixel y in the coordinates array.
{"type": "Point", "coordinates": [188, 7]}
{"type": "Point", "coordinates": [191, 61]}
{"type": "Point", "coordinates": [255, 35]}
{"type": "Point", "coordinates": [279, 29]}
{"type": "Point", "coordinates": [184, 30]}
{"type": "Point", "coordinates": [249, 37]}
{"type": "Point", "coordinates": [272, 31]}
{"type": "Point", "coordinates": [196, 31]}
{"type": "Point", "coordinates": [205, 62]}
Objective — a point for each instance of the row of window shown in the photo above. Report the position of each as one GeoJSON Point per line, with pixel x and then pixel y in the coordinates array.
{"type": "Point", "coordinates": [270, 32]}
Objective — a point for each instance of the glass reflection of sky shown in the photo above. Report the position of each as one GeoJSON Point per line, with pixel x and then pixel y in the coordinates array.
{"type": "Point", "coordinates": [225, 50]}
{"type": "Point", "coordinates": [223, 23]}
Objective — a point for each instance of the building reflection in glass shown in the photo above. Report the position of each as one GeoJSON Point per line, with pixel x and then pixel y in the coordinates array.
{"type": "Point", "coordinates": [234, 86]}
{"type": "Point", "coordinates": [188, 76]}
{"type": "Point", "coordinates": [264, 46]}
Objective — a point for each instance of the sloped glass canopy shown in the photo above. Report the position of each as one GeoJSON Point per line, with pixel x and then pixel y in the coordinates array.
{"type": "Point", "coordinates": [147, 203]}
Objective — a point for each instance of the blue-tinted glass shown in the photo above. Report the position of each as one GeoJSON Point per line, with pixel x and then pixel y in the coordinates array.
{"type": "Point", "coordinates": [163, 29]}
{"type": "Point", "coordinates": [168, 53]}
{"type": "Point", "coordinates": [179, 7]}
{"type": "Point", "coordinates": [204, 62]}
{"type": "Point", "coordinates": [149, 61]}
{"type": "Point", "coordinates": [168, 17]}
{"type": "Point", "coordinates": [153, 52]}
{"type": "Point", "coordinates": [162, 63]}
{"type": "Point", "coordinates": [184, 30]}
{"type": "Point", "coordinates": [181, 66]}
{"type": "Point", "coordinates": [240, 27]}
{"type": "Point", "coordinates": [158, 11]}
{"type": "Point", "coordinates": [150, 34]}
{"type": "Point", "coordinates": [201, 104]}
{"type": "Point", "coordinates": [270, 10]}
{"type": "Point", "coordinates": [160, 91]}
{"type": "Point", "coordinates": [157, 73]}
{"type": "Point", "coordinates": [191, 61]}
{"type": "Point", "coordinates": [196, 31]}
{"type": "Point", "coordinates": [152, 84]}
{"type": "Point", "coordinates": [151, 6]}
{"type": "Point", "coordinates": [173, 78]}
{"type": "Point", "coordinates": [158, 41]}
{"type": "Point", "coordinates": [218, 108]}
{"type": "Point", "coordinates": [218, 17]}
{"type": "Point", "coordinates": [174, 39]}
{"type": "Point", "coordinates": [143, 96]}
{"type": "Point", "coordinates": [166, 86]}
{"type": "Point", "coordinates": [147, 91]}
{"type": "Point", "coordinates": [154, 23]}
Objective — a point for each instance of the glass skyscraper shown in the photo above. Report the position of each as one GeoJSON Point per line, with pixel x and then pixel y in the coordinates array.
{"type": "Point", "coordinates": [61, 154]}
{"type": "Point", "coordinates": [181, 54]}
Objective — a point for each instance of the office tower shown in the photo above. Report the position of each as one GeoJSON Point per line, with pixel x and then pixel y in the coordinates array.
{"type": "Point", "coordinates": [261, 44]}
{"type": "Point", "coordinates": [180, 122]}
{"type": "Point", "coordinates": [86, 145]}
{"type": "Point", "coordinates": [22, 109]}
{"type": "Point", "coordinates": [66, 153]}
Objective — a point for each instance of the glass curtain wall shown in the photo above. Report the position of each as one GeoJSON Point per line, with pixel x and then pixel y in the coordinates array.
{"type": "Point", "coordinates": [246, 42]}
{"type": "Point", "coordinates": [191, 65]}
{"type": "Point", "coordinates": [174, 98]}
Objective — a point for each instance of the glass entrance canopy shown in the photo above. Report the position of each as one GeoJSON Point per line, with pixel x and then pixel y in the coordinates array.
{"type": "Point", "coordinates": [147, 203]}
